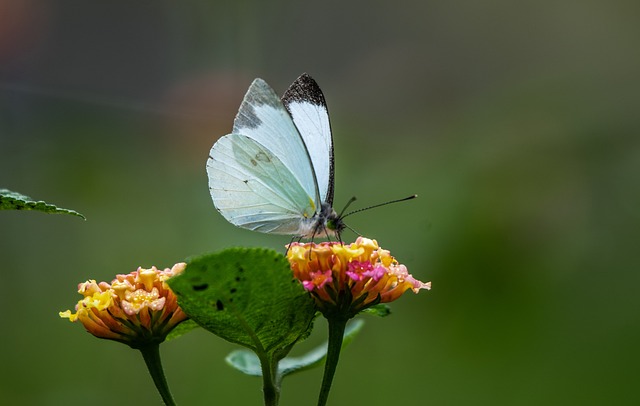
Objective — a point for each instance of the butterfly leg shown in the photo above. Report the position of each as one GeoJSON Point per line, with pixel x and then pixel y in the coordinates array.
{"type": "Point", "coordinates": [291, 242]}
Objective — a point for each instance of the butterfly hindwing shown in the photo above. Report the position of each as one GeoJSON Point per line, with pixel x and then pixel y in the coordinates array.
{"type": "Point", "coordinates": [306, 104]}
{"type": "Point", "coordinates": [252, 187]}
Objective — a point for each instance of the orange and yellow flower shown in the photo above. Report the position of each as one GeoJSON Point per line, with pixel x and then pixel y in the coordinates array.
{"type": "Point", "coordinates": [350, 277]}
{"type": "Point", "coordinates": [137, 308]}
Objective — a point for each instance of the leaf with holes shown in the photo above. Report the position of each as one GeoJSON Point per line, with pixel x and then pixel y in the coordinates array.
{"type": "Point", "coordinates": [15, 201]}
{"type": "Point", "coordinates": [247, 296]}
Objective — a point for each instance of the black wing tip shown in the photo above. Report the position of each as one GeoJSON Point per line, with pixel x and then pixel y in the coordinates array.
{"type": "Point", "coordinates": [304, 89]}
{"type": "Point", "coordinates": [306, 78]}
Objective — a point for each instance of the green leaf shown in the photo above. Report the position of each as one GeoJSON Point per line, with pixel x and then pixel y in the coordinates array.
{"type": "Point", "coordinates": [247, 296]}
{"type": "Point", "coordinates": [380, 310]}
{"type": "Point", "coordinates": [244, 361]}
{"type": "Point", "coordinates": [249, 364]}
{"type": "Point", "coordinates": [182, 329]}
{"type": "Point", "coordinates": [15, 201]}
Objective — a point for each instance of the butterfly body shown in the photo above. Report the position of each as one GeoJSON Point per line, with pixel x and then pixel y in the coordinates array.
{"type": "Point", "coordinates": [325, 223]}
{"type": "Point", "coordinates": [274, 172]}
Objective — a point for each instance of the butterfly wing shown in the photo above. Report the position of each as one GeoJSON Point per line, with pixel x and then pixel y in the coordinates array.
{"type": "Point", "coordinates": [306, 104]}
{"type": "Point", "coordinates": [263, 117]}
{"type": "Point", "coordinates": [254, 189]}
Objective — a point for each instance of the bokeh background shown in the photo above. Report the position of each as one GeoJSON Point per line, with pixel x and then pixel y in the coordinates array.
{"type": "Point", "coordinates": [516, 123]}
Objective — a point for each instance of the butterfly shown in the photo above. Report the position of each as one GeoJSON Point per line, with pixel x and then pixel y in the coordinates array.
{"type": "Point", "coordinates": [274, 173]}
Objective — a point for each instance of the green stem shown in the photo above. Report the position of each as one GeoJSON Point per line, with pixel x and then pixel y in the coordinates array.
{"type": "Point", "coordinates": [151, 355]}
{"type": "Point", "coordinates": [270, 390]}
{"type": "Point", "coordinates": [336, 332]}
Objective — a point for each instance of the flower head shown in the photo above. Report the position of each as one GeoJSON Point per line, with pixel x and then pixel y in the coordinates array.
{"type": "Point", "coordinates": [137, 308]}
{"type": "Point", "coordinates": [349, 278]}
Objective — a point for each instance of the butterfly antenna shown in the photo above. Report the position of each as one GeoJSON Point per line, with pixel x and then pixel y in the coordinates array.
{"type": "Point", "coordinates": [375, 205]}
{"type": "Point", "coordinates": [353, 199]}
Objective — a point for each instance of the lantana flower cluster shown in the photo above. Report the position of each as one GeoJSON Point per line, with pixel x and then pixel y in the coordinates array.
{"type": "Point", "coordinates": [137, 309]}
{"type": "Point", "coordinates": [348, 278]}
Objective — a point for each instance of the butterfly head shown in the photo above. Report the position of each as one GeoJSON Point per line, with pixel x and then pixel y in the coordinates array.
{"type": "Point", "coordinates": [329, 222]}
{"type": "Point", "coordinates": [334, 223]}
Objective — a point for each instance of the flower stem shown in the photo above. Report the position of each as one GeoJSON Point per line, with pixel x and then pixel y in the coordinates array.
{"type": "Point", "coordinates": [151, 355]}
{"type": "Point", "coordinates": [336, 331]}
{"type": "Point", "coordinates": [270, 387]}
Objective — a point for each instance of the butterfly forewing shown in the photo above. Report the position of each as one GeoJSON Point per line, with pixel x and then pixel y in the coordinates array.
{"type": "Point", "coordinates": [306, 104]}
{"type": "Point", "coordinates": [263, 117]}
{"type": "Point", "coordinates": [252, 188]}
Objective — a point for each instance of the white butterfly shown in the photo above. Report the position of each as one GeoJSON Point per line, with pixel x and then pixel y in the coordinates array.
{"type": "Point", "coordinates": [274, 172]}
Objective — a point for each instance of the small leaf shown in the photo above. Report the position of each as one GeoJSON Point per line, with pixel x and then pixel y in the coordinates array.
{"type": "Point", "coordinates": [244, 361]}
{"type": "Point", "coordinates": [182, 329]}
{"type": "Point", "coordinates": [246, 296]}
{"type": "Point", "coordinates": [15, 201]}
{"type": "Point", "coordinates": [249, 364]}
{"type": "Point", "coordinates": [380, 310]}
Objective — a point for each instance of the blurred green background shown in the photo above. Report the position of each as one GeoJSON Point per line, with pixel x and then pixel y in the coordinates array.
{"type": "Point", "coordinates": [516, 123]}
